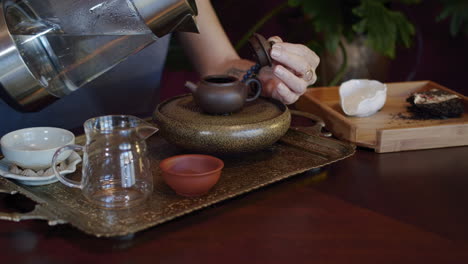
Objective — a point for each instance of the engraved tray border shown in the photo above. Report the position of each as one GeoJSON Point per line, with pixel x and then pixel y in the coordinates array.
{"type": "Point", "coordinates": [296, 152]}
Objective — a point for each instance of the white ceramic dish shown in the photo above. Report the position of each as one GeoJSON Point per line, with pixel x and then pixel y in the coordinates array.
{"type": "Point", "coordinates": [362, 97]}
{"type": "Point", "coordinates": [34, 147]}
{"type": "Point", "coordinates": [41, 177]}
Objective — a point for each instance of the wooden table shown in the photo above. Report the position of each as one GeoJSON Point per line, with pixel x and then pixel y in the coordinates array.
{"type": "Point", "coordinates": [406, 207]}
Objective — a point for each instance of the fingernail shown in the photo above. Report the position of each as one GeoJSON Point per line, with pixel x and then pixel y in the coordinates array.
{"type": "Point", "coordinates": [279, 71]}
{"type": "Point", "coordinates": [276, 51]}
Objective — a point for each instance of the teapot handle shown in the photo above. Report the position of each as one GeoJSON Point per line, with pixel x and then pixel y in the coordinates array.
{"type": "Point", "coordinates": [63, 179]}
{"type": "Point", "coordinates": [258, 86]}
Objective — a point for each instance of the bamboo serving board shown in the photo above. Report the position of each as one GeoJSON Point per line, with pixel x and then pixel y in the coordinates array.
{"type": "Point", "coordinates": [387, 131]}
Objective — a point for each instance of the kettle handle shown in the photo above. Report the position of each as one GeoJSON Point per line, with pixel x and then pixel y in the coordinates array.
{"type": "Point", "coordinates": [63, 179]}
{"type": "Point", "coordinates": [258, 87]}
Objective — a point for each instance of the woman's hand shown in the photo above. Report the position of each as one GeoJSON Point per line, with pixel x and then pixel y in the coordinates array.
{"type": "Point", "coordinates": [212, 53]}
{"type": "Point", "coordinates": [293, 71]}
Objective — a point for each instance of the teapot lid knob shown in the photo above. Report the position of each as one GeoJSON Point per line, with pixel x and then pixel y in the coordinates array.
{"type": "Point", "coordinates": [261, 49]}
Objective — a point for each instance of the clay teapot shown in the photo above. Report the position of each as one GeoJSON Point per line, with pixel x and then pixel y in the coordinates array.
{"type": "Point", "coordinates": [223, 94]}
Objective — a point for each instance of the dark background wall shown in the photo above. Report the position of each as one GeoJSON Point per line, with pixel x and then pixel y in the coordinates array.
{"type": "Point", "coordinates": [443, 58]}
{"type": "Point", "coordinates": [435, 55]}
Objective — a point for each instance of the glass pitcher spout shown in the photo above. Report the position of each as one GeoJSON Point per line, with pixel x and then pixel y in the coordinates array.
{"type": "Point", "coordinates": [145, 130]}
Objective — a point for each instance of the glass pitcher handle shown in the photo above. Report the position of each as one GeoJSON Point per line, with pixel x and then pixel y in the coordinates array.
{"type": "Point", "coordinates": [66, 181]}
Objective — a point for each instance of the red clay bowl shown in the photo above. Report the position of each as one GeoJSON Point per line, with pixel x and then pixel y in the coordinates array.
{"type": "Point", "coordinates": [191, 175]}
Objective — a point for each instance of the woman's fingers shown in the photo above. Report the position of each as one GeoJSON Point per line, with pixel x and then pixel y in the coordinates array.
{"type": "Point", "coordinates": [296, 84]}
{"type": "Point", "coordinates": [299, 50]}
{"type": "Point", "coordinates": [293, 70]}
{"type": "Point", "coordinates": [275, 39]}
{"type": "Point", "coordinates": [302, 61]}
{"type": "Point", "coordinates": [284, 94]}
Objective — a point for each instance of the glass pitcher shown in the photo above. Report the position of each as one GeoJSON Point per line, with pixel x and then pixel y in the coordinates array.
{"type": "Point", "coordinates": [116, 170]}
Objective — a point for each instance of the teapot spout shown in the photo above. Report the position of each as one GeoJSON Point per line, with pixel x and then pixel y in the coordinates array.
{"type": "Point", "coordinates": [191, 86]}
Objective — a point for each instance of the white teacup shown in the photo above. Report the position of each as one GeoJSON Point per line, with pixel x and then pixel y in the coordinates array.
{"type": "Point", "coordinates": [33, 148]}
{"type": "Point", "coordinates": [362, 98]}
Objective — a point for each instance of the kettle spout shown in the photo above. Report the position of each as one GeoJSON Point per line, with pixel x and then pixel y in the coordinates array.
{"type": "Point", "coordinates": [188, 24]}
{"type": "Point", "coordinates": [191, 86]}
{"type": "Point", "coordinates": [166, 16]}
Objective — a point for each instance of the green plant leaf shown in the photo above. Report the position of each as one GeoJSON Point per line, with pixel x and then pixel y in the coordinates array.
{"type": "Point", "coordinates": [457, 12]}
{"type": "Point", "coordinates": [332, 42]}
{"type": "Point", "coordinates": [405, 31]}
{"type": "Point", "coordinates": [294, 3]}
{"type": "Point", "coordinates": [325, 17]}
{"type": "Point", "coordinates": [385, 29]}
{"type": "Point", "coordinates": [409, 2]}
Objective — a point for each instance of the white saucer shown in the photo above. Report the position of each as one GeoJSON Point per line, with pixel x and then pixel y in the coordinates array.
{"type": "Point", "coordinates": [30, 177]}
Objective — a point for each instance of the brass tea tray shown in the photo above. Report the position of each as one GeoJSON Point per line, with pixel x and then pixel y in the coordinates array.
{"type": "Point", "coordinates": [294, 153]}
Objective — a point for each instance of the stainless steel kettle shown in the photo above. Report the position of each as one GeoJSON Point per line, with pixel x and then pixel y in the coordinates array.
{"type": "Point", "coordinates": [50, 48]}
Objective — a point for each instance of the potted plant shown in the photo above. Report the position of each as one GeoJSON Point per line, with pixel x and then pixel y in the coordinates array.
{"type": "Point", "coordinates": [371, 29]}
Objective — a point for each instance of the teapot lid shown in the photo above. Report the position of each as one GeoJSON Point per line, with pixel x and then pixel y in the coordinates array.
{"type": "Point", "coordinates": [261, 49]}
